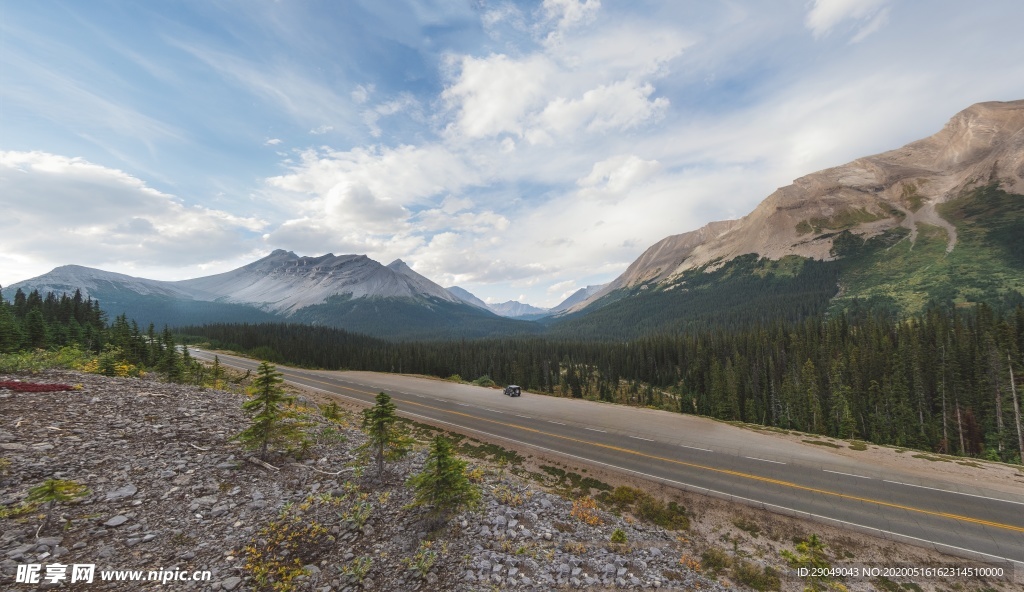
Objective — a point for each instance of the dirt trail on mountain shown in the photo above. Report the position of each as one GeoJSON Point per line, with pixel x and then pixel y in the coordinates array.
{"type": "Point", "coordinates": [928, 215]}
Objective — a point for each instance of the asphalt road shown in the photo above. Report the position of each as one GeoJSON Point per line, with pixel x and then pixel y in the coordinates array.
{"type": "Point", "coordinates": [705, 456]}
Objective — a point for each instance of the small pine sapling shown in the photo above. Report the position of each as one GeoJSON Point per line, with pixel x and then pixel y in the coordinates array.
{"type": "Point", "coordinates": [272, 421]}
{"type": "Point", "coordinates": [443, 486]}
{"type": "Point", "coordinates": [52, 492]}
{"type": "Point", "coordinates": [386, 442]}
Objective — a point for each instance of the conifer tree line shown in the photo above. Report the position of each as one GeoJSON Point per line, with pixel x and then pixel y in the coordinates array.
{"type": "Point", "coordinates": [32, 321]}
{"type": "Point", "coordinates": [939, 381]}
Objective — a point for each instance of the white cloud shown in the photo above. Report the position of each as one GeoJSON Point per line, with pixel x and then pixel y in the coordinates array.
{"type": "Point", "coordinates": [404, 102]}
{"type": "Point", "coordinates": [494, 94]}
{"type": "Point", "coordinates": [568, 14]}
{"type": "Point", "coordinates": [618, 106]}
{"type": "Point", "coordinates": [323, 129]}
{"type": "Point", "coordinates": [272, 142]}
{"type": "Point", "coordinates": [405, 174]}
{"type": "Point", "coordinates": [825, 15]}
{"type": "Point", "coordinates": [96, 215]}
{"type": "Point", "coordinates": [880, 20]}
{"type": "Point", "coordinates": [612, 179]}
{"type": "Point", "coordinates": [362, 93]}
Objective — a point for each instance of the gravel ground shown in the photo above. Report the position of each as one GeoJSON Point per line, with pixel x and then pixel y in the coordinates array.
{"type": "Point", "coordinates": [169, 491]}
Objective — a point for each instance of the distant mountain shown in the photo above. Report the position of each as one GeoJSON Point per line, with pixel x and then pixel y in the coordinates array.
{"type": "Point", "coordinates": [939, 220]}
{"type": "Point", "coordinates": [351, 292]}
{"type": "Point", "coordinates": [467, 297]}
{"type": "Point", "coordinates": [518, 310]}
{"type": "Point", "coordinates": [576, 297]}
{"type": "Point", "coordinates": [512, 309]}
{"type": "Point", "coordinates": [284, 282]}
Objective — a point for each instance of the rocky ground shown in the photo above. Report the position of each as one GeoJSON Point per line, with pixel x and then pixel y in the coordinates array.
{"type": "Point", "coordinates": [169, 490]}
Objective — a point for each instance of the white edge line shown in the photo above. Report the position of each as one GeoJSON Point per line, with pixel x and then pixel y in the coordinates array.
{"type": "Point", "coordinates": [778, 462]}
{"type": "Point", "coordinates": [847, 474]}
{"type": "Point", "coordinates": [694, 448]}
{"type": "Point", "coordinates": [995, 499]}
{"type": "Point", "coordinates": [596, 430]}
{"type": "Point", "coordinates": [706, 490]}
{"type": "Point", "coordinates": [644, 439]}
{"type": "Point", "coordinates": [729, 496]}
{"type": "Point", "coordinates": [556, 422]}
{"type": "Point", "coordinates": [523, 416]}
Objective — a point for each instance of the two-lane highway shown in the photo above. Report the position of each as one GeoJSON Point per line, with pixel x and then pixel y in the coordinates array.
{"type": "Point", "coordinates": [705, 456]}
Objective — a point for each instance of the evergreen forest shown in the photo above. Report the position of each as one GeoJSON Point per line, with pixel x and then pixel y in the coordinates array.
{"type": "Point", "coordinates": [938, 381]}
{"type": "Point", "coordinates": [78, 329]}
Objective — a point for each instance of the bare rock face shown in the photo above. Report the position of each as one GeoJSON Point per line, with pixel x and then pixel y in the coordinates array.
{"type": "Point", "coordinates": [284, 282]}
{"type": "Point", "coordinates": [281, 282]}
{"type": "Point", "coordinates": [982, 144]}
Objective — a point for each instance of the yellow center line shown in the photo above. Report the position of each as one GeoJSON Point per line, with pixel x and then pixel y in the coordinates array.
{"type": "Point", "coordinates": [703, 467]}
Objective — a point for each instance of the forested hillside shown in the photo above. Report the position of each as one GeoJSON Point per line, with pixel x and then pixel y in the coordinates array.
{"type": "Point", "coordinates": [76, 330]}
{"type": "Point", "coordinates": [31, 321]}
{"type": "Point", "coordinates": [938, 381]}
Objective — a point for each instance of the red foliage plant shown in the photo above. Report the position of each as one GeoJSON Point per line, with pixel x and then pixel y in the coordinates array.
{"type": "Point", "coordinates": [33, 387]}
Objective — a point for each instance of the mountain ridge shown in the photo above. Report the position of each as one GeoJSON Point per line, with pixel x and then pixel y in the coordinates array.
{"type": "Point", "coordinates": [868, 196]}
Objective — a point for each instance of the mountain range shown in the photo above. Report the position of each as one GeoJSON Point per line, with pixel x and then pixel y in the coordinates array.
{"type": "Point", "coordinates": [938, 221]}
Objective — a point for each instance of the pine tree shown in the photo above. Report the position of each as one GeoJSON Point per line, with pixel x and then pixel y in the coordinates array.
{"type": "Point", "coordinates": [386, 441]}
{"type": "Point", "coordinates": [35, 328]}
{"type": "Point", "coordinates": [272, 423]}
{"type": "Point", "coordinates": [217, 372]}
{"type": "Point", "coordinates": [52, 492]}
{"type": "Point", "coordinates": [443, 485]}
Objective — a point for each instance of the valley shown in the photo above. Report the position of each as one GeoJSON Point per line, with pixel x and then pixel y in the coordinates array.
{"type": "Point", "coordinates": [904, 501]}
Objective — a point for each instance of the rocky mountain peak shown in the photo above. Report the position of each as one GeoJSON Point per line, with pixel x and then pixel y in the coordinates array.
{"type": "Point", "coordinates": [983, 143]}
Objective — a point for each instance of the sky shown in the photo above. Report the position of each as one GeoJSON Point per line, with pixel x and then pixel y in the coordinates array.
{"type": "Point", "coordinates": [520, 150]}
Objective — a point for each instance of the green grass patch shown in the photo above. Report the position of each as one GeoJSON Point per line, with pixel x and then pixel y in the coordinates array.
{"type": "Point", "coordinates": [984, 266]}
{"type": "Point", "coordinates": [748, 526]}
{"type": "Point", "coordinates": [843, 220]}
{"type": "Point", "coordinates": [492, 452]}
{"type": "Point", "coordinates": [39, 360]}
{"type": "Point", "coordinates": [910, 198]}
{"type": "Point", "coordinates": [858, 446]}
{"type": "Point", "coordinates": [931, 458]}
{"type": "Point", "coordinates": [572, 484]}
{"type": "Point", "coordinates": [822, 443]}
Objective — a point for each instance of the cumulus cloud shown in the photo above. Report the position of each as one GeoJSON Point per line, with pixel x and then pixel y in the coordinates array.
{"type": "Point", "coordinates": [85, 208]}
{"type": "Point", "coordinates": [612, 179]}
{"type": "Point", "coordinates": [272, 142]}
{"type": "Point", "coordinates": [493, 95]}
{"type": "Point", "coordinates": [618, 106]}
{"type": "Point", "coordinates": [402, 175]}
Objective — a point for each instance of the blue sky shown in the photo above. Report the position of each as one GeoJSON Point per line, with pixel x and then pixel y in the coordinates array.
{"type": "Point", "coordinates": [520, 150]}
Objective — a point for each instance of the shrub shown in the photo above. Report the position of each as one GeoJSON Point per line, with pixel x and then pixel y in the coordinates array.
{"type": "Point", "coordinates": [623, 497]}
{"type": "Point", "coordinates": [671, 516]}
{"type": "Point", "coordinates": [715, 560]}
{"type": "Point", "coordinates": [618, 536]}
{"type": "Point", "coordinates": [584, 509]}
{"type": "Point", "coordinates": [484, 380]}
{"type": "Point", "coordinates": [757, 578]}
